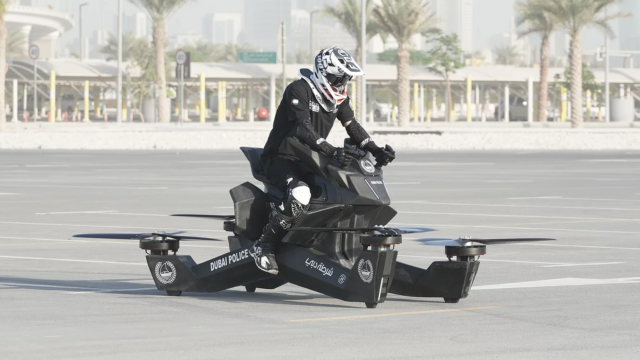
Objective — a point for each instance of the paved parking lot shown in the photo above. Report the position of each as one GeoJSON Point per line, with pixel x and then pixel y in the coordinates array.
{"type": "Point", "coordinates": [69, 298]}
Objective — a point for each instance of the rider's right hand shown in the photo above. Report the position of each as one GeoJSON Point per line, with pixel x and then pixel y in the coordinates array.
{"type": "Point", "coordinates": [344, 156]}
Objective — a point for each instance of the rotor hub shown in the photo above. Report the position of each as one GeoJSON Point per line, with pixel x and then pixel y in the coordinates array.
{"type": "Point", "coordinates": [160, 245]}
{"type": "Point", "coordinates": [464, 251]}
{"type": "Point", "coordinates": [380, 242]}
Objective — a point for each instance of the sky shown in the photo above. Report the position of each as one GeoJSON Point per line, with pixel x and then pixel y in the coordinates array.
{"type": "Point", "coordinates": [492, 18]}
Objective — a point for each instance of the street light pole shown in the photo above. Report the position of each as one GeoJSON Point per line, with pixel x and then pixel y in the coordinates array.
{"type": "Point", "coordinates": [607, 100]}
{"type": "Point", "coordinates": [284, 58]}
{"type": "Point", "coordinates": [80, 29]}
{"type": "Point", "coordinates": [363, 49]}
{"type": "Point", "coordinates": [311, 32]}
{"type": "Point", "coordinates": [119, 85]}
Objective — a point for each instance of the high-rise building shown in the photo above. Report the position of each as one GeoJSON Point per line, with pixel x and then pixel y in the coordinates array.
{"type": "Point", "coordinates": [135, 23]}
{"type": "Point", "coordinates": [222, 28]}
{"type": "Point", "coordinates": [629, 28]}
{"type": "Point", "coordinates": [456, 17]}
{"type": "Point", "coordinates": [262, 22]}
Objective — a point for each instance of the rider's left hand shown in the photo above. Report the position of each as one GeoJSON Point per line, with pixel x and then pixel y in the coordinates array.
{"type": "Point", "coordinates": [384, 155]}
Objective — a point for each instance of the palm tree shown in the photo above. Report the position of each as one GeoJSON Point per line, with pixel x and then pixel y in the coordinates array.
{"type": "Point", "coordinates": [16, 45]}
{"type": "Point", "coordinates": [3, 59]}
{"type": "Point", "coordinates": [535, 19]}
{"type": "Point", "coordinates": [129, 44]}
{"type": "Point", "coordinates": [160, 10]}
{"type": "Point", "coordinates": [349, 14]}
{"type": "Point", "coordinates": [506, 55]}
{"type": "Point", "coordinates": [402, 19]}
{"type": "Point", "coordinates": [573, 16]}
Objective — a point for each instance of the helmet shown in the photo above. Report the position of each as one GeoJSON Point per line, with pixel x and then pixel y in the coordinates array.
{"type": "Point", "coordinates": [333, 69]}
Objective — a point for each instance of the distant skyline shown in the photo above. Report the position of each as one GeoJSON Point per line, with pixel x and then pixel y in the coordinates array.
{"type": "Point", "coordinates": [491, 19]}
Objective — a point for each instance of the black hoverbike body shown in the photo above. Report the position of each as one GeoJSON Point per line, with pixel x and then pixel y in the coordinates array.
{"type": "Point", "coordinates": [339, 248]}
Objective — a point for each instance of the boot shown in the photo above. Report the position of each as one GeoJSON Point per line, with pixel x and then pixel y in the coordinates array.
{"type": "Point", "coordinates": [263, 253]}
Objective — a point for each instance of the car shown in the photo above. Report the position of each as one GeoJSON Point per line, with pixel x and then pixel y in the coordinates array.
{"type": "Point", "coordinates": [381, 110]}
{"type": "Point", "coordinates": [518, 110]}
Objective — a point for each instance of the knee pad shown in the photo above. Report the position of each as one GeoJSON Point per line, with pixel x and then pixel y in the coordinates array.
{"type": "Point", "coordinates": [296, 201]}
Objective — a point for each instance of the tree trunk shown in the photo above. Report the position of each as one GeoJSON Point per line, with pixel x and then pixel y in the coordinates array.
{"type": "Point", "coordinates": [403, 85]}
{"type": "Point", "coordinates": [3, 62]}
{"type": "Point", "coordinates": [359, 114]}
{"type": "Point", "coordinates": [160, 40]}
{"type": "Point", "coordinates": [576, 82]}
{"type": "Point", "coordinates": [544, 82]}
{"type": "Point", "coordinates": [448, 101]}
{"type": "Point", "coordinates": [140, 106]}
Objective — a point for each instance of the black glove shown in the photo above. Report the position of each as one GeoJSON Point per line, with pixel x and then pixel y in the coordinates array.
{"type": "Point", "coordinates": [383, 155]}
{"type": "Point", "coordinates": [344, 156]}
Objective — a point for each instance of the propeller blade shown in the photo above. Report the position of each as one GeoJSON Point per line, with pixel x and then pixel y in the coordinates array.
{"type": "Point", "coordinates": [465, 241]}
{"type": "Point", "coordinates": [148, 236]}
{"type": "Point", "coordinates": [412, 229]}
{"type": "Point", "coordinates": [382, 229]}
{"type": "Point", "coordinates": [114, 236]}
{"type": "Point", "coordinates": [185, 238]}
{"type": "Point", "coordinates": [214, 217]}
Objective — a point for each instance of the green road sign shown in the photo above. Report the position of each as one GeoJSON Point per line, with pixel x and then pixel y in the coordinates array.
{"type": "Point", "coordinates": [258, 57]}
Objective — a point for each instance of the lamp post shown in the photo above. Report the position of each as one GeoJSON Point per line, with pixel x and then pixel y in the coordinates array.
{"type": "Point", "coordinates": [311, 31]}
{"type": "Point", "coordinates": [80, 29]}
{"type": "Point", "coordinates": [119, 86]}
{"type": "Point", "coordinates": [363, 48]}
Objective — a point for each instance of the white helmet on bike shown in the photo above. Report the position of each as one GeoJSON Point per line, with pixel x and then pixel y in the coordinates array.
{"type": "Point", "coordinates": [333, 69]}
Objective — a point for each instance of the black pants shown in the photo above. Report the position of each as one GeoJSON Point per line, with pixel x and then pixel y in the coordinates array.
{"type": "Point", "coordinates": [278, 170]}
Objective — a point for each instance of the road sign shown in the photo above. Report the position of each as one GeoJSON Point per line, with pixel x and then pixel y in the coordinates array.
{"type": "Point", "coordinates": [34, 52]}
{"type": "Point", "coordinates": [181, 57]}
{"type": "Point", "coordinates": [186, 67]}
{"type": "Point", "coordinates": [258, 57]}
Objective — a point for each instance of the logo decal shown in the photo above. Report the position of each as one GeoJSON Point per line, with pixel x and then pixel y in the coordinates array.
{"type": "Point", "coordinates": [368, 166]}
{"type": "Point", "coordinates": [294, 102]}
{"type": "Point", "coordinates": [166, 272]}
{"type": "Point", "coordinates": [365, 270]}
{"type": "Point", "coordinates": [315, 107]}
{"type": "Point", "coordinates": [342, 279]}
{"type": "Point", "coordinates": [320, 267]}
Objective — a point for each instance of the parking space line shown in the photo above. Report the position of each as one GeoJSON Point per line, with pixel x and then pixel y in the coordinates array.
{"type": "Point", "coordinates": [353, 317]}
{"type": "Point", "coordinates": [148, 228]}
{"type": "Point", "coordinates": [581, 246]}
{"type": "Point", "coordinates": [517, 216]}
{"type": "Point", "coordinates": [97, 291]}
{"type": "Point", "coordinates": [100, 241]}
{"type": "Point", "coordinates": [77, 212]}
{"type": "Point", "coordinates": [512, 205]}
{"type": "Point", "coordinates": [71, 260]}
{"type": "Point", "coordinates": [593, 264]}
{"type": "Point", "coordinates": [87, 290]}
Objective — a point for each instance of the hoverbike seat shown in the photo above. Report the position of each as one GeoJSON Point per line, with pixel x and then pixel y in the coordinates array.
{"type": "Point", "coordinates": [253, 155]}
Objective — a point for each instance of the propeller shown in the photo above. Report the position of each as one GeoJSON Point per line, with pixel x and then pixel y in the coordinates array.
{"type": "Point", "coordinates": [214, 217]}
{"type": "Point", "coordinates": [464, 241]}
{"type": "Point", "coordinates": [380, 229]}
{"type": "Point", "coordinates": [147, 236]}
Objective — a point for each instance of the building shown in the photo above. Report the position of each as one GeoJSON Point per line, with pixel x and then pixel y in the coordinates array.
{"type": "Point", "coordinates": [456, 17]}
{"type": "Point", "coordinates": [222, 28]}
{"type": "Point", "coordinates": [629, 28]}
{"type": "Point", "coordinates": [41, 26]}
{"type": "Point", "coordinates": [99, 40]}
{"type": "Point", "coordinates": [262, 22]}
{"type": "Point", "coordinates": [135, 23]}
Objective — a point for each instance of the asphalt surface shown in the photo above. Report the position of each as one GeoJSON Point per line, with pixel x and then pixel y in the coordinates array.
{"type": "Point", "coordinates": [69, 298]}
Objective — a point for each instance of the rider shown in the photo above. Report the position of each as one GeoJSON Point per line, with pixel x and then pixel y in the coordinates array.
{"type": "Point", "coordinates": [308, 111]}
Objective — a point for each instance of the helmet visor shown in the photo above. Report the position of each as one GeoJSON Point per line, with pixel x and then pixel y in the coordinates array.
{"type": "Point", "coordinates": [338, 81]}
